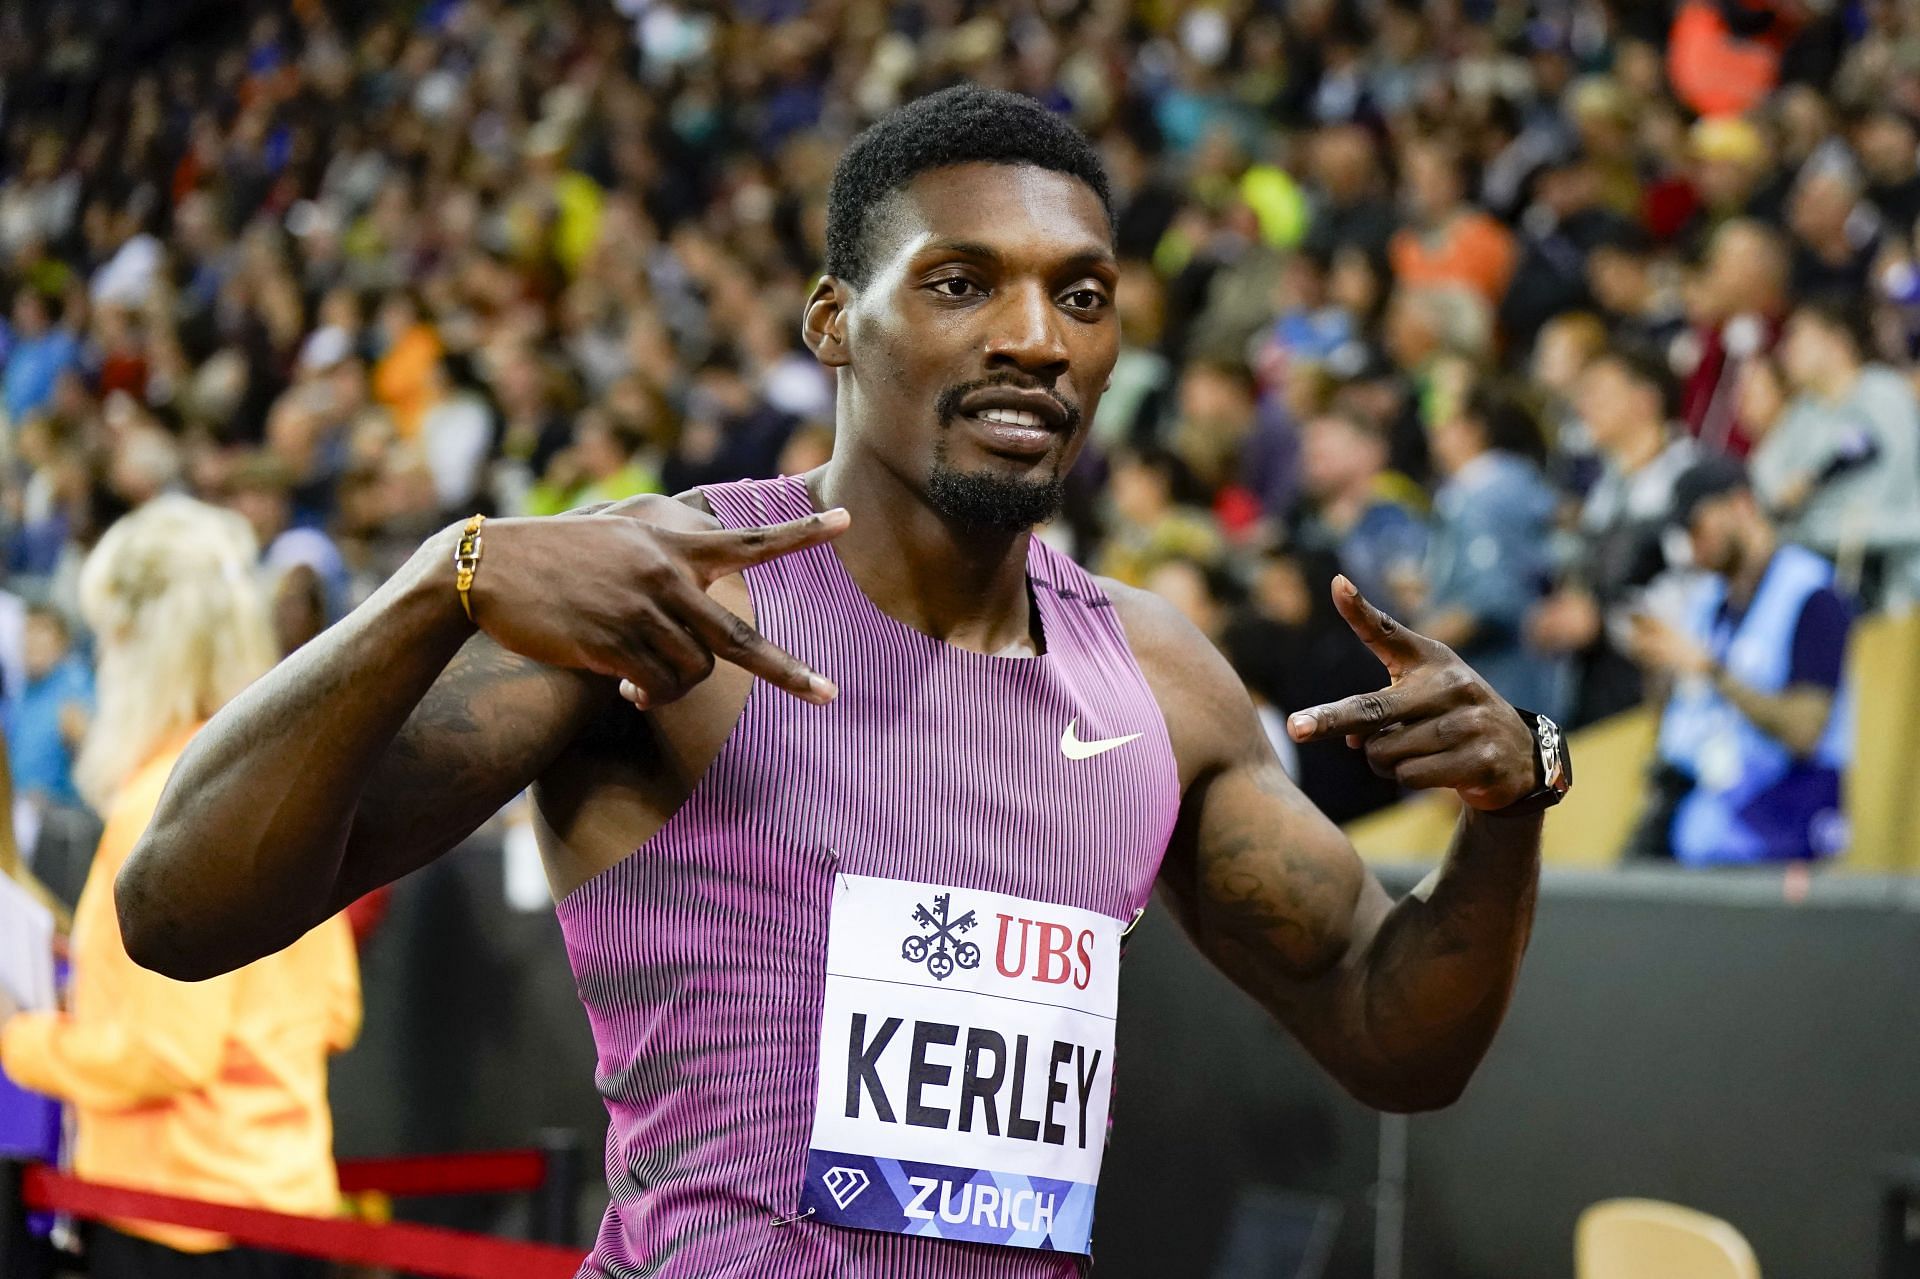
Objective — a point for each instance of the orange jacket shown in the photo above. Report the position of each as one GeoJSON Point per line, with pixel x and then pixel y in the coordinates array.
{"type": "Point", "coordinates": [1473, 251]}
{"type": "Point", "coordinates": [213, 1090]}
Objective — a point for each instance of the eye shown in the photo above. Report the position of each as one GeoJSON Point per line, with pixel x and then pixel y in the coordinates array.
{"type": "Point", "coordinates": [955, 286]}
{"type": "Point", "coordinates": [1085, 299]}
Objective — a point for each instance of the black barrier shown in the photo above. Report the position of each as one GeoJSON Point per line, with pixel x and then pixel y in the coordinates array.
{"type": "Point", "coordinates": [555, 1216]}
{"type": "Point", "coordinates": [22, 1254]}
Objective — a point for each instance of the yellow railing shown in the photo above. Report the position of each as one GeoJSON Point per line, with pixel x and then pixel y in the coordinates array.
{"type": "Point", "coordinates": [1590, 828]}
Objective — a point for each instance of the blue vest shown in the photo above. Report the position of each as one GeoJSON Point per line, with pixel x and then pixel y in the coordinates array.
{"type": "Point", "coordinates": [1752, 800]}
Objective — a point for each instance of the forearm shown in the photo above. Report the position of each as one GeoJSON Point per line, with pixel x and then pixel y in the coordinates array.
{"type": "Point", "coordinates": [1796, 718]}
{"type": "Point", "coordinates": [1437, 975]}
{"type": "Point", "coordinates": [243, 853]}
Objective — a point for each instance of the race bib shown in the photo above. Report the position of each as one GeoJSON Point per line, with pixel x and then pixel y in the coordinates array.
{"type": "Point", "coordinates": [966, 1063]}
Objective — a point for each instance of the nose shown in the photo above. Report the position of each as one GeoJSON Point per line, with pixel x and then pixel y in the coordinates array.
{"type": "Point", "coordinates": [1024, 333]}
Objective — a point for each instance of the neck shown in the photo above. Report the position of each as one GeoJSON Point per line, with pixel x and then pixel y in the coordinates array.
{"type": "Point", "coordinates": [965, 586]}
{"type": "Point", "coordinates": [1753, 566]}
{"type": "Point", "coordinates": [1641, 449]}
{"type": "Point", "coordinates": [1836, 380]}
{"type": "Point", "coordinates": [1344, 509]}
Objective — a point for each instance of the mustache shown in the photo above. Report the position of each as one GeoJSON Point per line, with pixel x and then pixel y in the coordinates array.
{"type": "Point", "coordinates": [947, 407]}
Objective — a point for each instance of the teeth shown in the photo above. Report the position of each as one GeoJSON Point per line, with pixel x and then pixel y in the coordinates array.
{"type": "Point", "coordinates": [1011, 417]}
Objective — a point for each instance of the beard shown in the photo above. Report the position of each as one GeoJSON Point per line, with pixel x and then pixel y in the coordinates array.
{"type": "Point", "coordinates": [987, 500]}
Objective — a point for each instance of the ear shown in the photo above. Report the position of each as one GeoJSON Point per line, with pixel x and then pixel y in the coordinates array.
{"type": "Point", "coordinates": [824, 324]}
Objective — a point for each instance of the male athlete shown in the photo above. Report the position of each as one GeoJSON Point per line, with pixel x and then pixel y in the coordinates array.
{"type": "Point", "coordinates": [848, 786]}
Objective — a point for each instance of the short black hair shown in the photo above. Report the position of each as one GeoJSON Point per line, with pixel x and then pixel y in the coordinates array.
{"type": "Point", "coordinates": [965, 124]}
{"type": "Point", "coordinates": [1506, 423]}
{"type": "Point", "coordinates": [1849, 322]}
{"type": "Point", "coordinates": [1649, 368]}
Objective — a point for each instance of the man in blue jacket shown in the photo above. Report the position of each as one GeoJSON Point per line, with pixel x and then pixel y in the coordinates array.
{"type": "Point", "coordinates": [1758, 725]}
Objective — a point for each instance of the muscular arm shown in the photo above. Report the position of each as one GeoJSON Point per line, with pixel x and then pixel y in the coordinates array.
{"type": "Point", "coordinates": [367, 753]}
{"type": "Point", "coordinates": [1796, 717]}
{"type": "Point", "coordinates": [391, 737]}
{"type": "Point", "coordinates": [1398, 1001]}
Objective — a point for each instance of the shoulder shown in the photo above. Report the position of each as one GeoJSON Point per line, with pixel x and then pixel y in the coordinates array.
{"type": "Point", "coordinates": [1886, 391]}
{"type": "Point", "coordinates": [1826, 611]}
{"type": "Point", "coordinates": [686, 512]}
{"type": "Point", "coordinates": [1203, 701]}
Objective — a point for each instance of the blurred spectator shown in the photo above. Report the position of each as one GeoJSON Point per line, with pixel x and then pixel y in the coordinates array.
{"type": "Point", "coordinates": [1724, 55]}
{"type": "Point", "coordinates": [260, 488]}
{"type": "Point", "coordinates": [48, 717]}
{"type": "Point", "coordinates": [1756, 732]}
{"type": "Point", "coordinates": [1738, 302]}
{"type": "Point", "coordinates": [1294, 651]}
{"type": "Point", "coordinates": [1641, 309]}
{"type": "Point", "coordinates": [1624, 398]}
{"type": "Point", "coordinates": [456, 431]}
{"type": "Point", "coordinates": [1214, 423]}
{"type": "Point", "coordinates": [1734, 174]}
{"type": "Point", "coordinates": [1840, 468]}
{"type": "Point", "coordinates": [1133, 403]}
{"type": "Point", "coordinates": [39, 353]}
{"type": "Point", "coordinates": [1566, 346]}
{"type": "Point", "coordinates": [147, 1063]}
{"type": "Point", "coordinates": [1564, 224]}
{"type": "Point", "coordinates": [605, 464]}
{"type": "Point", "coordinates": [404, 379]}
{"type": "Point", "coordinates": [1447, 241]}
{"type": "Point", "coordinates": [1365, 516]}
{"type": "Point", "coordinates": [729, 430]}
{"type": "Point", "coordinates": [1836, 236]}
{"type": "Point", "coordinates": [1151, 525]}
{"type": "Point", "coordinates": [1488, 562]}
{"type": "Point", "coordinates": [357, 269]}
{"type": "Point", "coordinates": [1352, 207]}
{"type": "Point", "coordinates": [1889, 147]}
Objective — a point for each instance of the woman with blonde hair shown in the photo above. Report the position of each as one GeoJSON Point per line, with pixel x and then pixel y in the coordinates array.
{"type": "Point", "coordinates": [215, 1090]}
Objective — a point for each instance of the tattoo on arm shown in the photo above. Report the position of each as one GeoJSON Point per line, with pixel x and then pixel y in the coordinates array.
{"type": "Point", "coordinates": [489, 726]}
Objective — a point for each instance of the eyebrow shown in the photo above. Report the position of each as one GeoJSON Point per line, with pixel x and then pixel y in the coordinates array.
{"type": "Point", "coordinates": [1083, 258]}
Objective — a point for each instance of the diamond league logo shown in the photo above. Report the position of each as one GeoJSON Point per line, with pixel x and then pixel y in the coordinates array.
{"type": "Point", "coordinates": [940, 947]}
{"type": "Point", "coordinates": [845, 1184]}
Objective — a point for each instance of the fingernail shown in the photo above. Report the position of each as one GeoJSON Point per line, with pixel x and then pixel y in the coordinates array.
{"type": "Point", "coordinates": [822, 687]}
{"type": "Point", "coordinates": [838, 515]}
{"type": "Point", "coordinates": [1346, 584]}
{"type": "Point", "coordinates": [1302, 723]}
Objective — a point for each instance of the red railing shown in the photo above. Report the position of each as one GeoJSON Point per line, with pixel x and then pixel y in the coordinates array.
{"type": "Point", "coordinates": [411, 1249]}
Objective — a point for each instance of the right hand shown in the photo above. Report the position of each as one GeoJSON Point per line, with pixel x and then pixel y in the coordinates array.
{"type": "Point", "coordinates": [622, 595]}
{"type": "Point", "coordinates": [1565, 622]}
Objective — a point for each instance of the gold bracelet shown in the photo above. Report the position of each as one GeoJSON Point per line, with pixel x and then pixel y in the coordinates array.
{"type": "Point", "coordinates": [466, 561]}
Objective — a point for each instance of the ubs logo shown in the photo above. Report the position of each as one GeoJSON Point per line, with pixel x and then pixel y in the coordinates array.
{"type": "Point", "coordinates": [938, 945]}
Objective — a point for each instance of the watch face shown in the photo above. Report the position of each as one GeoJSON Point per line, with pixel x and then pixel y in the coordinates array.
{"type": "Point", "coordinates": [1552, 763]}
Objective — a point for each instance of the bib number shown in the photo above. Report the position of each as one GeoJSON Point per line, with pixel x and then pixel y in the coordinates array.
{"type": "Point", "coordinates": [966, 1065]}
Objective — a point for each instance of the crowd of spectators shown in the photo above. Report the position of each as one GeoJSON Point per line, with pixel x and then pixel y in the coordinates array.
{"type": "Point", "coordinates": [1444, 294]}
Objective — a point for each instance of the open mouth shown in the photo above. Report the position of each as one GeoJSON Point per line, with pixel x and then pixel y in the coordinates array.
{"type": "Point", "coordinates": [1012, 431]}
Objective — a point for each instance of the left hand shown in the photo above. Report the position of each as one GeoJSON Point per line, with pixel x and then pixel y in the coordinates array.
{"type": "Point", "coordinates": [1657, 645]}
{"type": "Point", "coordinates": [1437, 724]}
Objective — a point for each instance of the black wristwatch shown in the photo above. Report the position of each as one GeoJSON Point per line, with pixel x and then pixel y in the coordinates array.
{"type": "Point", "coordinates": [1553, 768]}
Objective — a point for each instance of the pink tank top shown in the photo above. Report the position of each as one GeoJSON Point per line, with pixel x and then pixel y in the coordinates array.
{"type": "Point", "coordinates": [702, 957]}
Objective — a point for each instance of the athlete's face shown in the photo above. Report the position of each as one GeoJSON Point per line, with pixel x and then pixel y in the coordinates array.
{"type": "Point", "coordinates": [975, 353]}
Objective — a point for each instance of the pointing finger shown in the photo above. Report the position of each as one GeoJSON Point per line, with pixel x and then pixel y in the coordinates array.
{"type": "Point", "coordinates": [717, 553]}
{"type": "Point", "coordinates": [1395, 645]}
{"type": "Point", "coordinates": [1361, 713]}
{"type": "Point", "coordinates": [733, 639]}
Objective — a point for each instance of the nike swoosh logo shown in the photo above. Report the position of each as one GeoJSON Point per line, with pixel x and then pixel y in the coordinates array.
{"type": "Point", "coordinates": [1073, 748]}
